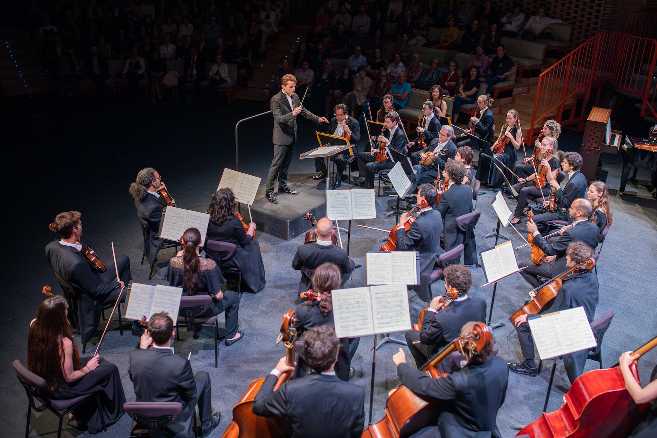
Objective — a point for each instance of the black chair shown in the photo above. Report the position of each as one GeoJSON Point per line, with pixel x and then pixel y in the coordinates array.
{"type": "Point", "coordinates": [466, 224]}
{"type": "Point", "coordinates": [38, 397]}
{"type": "Point", "coordinates": [598, 250]}
{"type": "Point", "coordinates": [380, 175]}
{"type": "Point", "coordinates": [599, 327]}
{"type": "Point", "coordinates": [475, 191]}
{"type": "Point", "coordinates": [443, 260]}
{"type": "Point", "coordinates": [145, 254]}
{"type": "Point", "coordinates": [223, 253]}
{"type": "Point", "coordinates": [187, 304]}
{"type": "Point", "coordinates": [151, 418]}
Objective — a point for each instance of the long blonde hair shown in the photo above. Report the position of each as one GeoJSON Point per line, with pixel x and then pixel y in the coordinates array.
{"type": "Point", "coordinates": [603, 201]}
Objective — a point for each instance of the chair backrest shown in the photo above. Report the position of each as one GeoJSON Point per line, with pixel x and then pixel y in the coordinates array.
{"type": "Point", "coordinates": [27, 377]}
{"type": "Point", "coordinates": [189, 301]}
{"type": "Point", "coordinates": [475, 189]}
{"type": "Point", "coordinates": [452, 254]}
{"type": "Point", "coordinates": [225, 250]}
{"type": "Point", "coordinates": [153, 415]}
{"type": "Point", "coordinates": [599, 328]}
{"type": "Point", "coordinates": [468, 220]}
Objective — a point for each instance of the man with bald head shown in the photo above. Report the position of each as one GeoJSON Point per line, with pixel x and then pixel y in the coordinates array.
{"type": "Point", "coordinates": [310, 255]}
{"type": "Point", "coordinates": [580, 230]}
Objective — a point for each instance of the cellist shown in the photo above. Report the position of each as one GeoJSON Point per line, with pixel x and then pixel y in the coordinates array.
{"type": "Point", "coordinates": [578, 289]}
{"type": "Point", "coordinates": [647, 394]}
{"type": "Point", "coordinates": [474, 391]}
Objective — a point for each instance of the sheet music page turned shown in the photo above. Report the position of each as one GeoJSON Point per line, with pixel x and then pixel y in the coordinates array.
{"type": "Point", "coordinates": [398, 267]}
{"type": "Point", "coordinates": [338, 205]}
{"type": "Point", "coordinates": [352, 312]}
{"type": "Point", "coordinates": [399, 180]}
{"type": "Point", "coordinates": [390, 311]}
{"type": "Point", "coordinates": [363, 204]}
{"type": "Point", "coordinates": [502, 209]}
{"type": "Point", "coordinates": [559, 333]}
{"type": "Point", "coordinates": [139, 302]}
{"type": "Point", "coordinates": [167, 299]}
{"type": "Point", "coordinates": [177, 220]}
{"type": "Point", "coordinates": [243, 185]}
{"type": "Point", "coordinates": [499, 262]}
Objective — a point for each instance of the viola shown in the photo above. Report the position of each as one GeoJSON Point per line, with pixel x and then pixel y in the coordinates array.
{"type": "Point", "coordinates": [596, 405]}
{"type": "Point", "coordinates": [164, 193]}
{"type": "Point", "coordinates": [391, 242]}
{"type": "Point", "coordinates": [92, 258]}
{"type": "Point", "coordinates": [427, 158]}
{"type": "Point", "coordinates": [311, 235]}
{"type": "Point", "coordinates": [442, 185]}
{"type": "Point", "coordinates": [537, 254]}
{"type": "Point", "coordinates": [245, 226]}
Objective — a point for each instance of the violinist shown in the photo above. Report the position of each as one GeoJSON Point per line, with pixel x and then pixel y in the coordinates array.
{"type": "Point", "coordinates": [578, 289]}
{"type": "Point", "coordinates": [427, 130]}
{"type": "Point", "coordinates": [484, 129]}
{"type": "Point", "coordinates": [394, 138]}
{"type": "Point", "coordinates": [446, 315]}
{"type": "Point", "coordinates": [317, 310]}
{"type": "Point", "coordinates": [580, 229]}
{"type": "Point", "coordinates": [422, 236]}
{"type": "Point", "coordinates": [318, 405]}
{"type": "Point", "coordinates": [455, 201]}
{"type": "Point", "coordinates": [75, 274]}
{"type": "Point", "coordinates": [474, 391]}
{"type": "Point", "coordinates": [444, 149]}
{"type": "Point", "coordinates": [225, 226]}
{"type": "Point", "coordinates": [504, 149]}
{"type": "Point", "coordinates": [551, 128]}
{"type": "Point", "coordinates": [648, 394]}
{"type": "Point", "coordinates": [464, 155]}
{"type": "Point", "coordinates": [598, 195]}
{"type": "Point", "coordinates": [388, 107]}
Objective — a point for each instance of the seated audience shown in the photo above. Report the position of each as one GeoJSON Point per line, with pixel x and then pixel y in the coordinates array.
{"type": "Point", "coordinates": [468, 92]}
{"type": "Point", "coordinates": [501, 68]}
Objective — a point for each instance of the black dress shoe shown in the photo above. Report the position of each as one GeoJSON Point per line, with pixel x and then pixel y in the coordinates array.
{"type": "Point", "coordinates": [231, 341]}
{"type": "Point", "coordinates": [523, 368]}
{"type": "Point", "coordinates": [287, 190]}
{"type": "Point", "coordinates": [211, 424]}
{"type": "Point", "coordinates": [271, 197]}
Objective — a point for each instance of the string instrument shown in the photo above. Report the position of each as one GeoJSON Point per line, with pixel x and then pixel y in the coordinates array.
{"type": "Point", "coordinates": [405, 411]}
{"type": "Point", "coordinates": [501, 142]}
{"type": "Point", "coordinates": [245, 423]}
{"type": "Point", "coordinates": [538, 299]}
{"type": "Point", "coordinates": [380, 155]}
{"type": "Point", "coordinates": [164, 193]}
{"type": "Point", "coordinates": [442, 185]}
{"type": "Point", "coordinates": [92, 258]}
{"type": "Point", "coordinates": [552, 204]}
{"type": "Point", "coordinates": [310, 295]}
{"type": "Point", "coordinates": [537, 254]}
{"type": "Point", "coordinates": [245, 226]}
{"type": "Point", "coordinates": [391, 242]}
{"type": "Point", "coordinates": [311, 235]}
{"type": "Point", "coordinates": [420, 137]}
{"type": "Point", "coordinates": [447, 298]}
{"type": "Point", "coordinates": [596, 405]}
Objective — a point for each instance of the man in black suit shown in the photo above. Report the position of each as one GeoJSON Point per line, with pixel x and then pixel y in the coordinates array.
{"type": "Point", "coordinates": [581, 229]}
{"type": "Point", "coordinates": [472, 393]}
{"type": "Point", "coordinates": [149, 205]}
{"type": "Point", "coordinates": [484, 129]}
{"type": "Point", "coordinates": [310, 255]}
{"type": "Point", "coordinates": [83, 284]}
{"type": "Point", "coordinates": [285, 107]}
{"type": "Point", "coordinates": [317, 405]}
{"type": "Point", "coordinates": [456, 201]}
{"type": "Point", "coordinates": [159, 375]}
{"type": "Point", "coordinates": [423, 237]}
{"type": "Point", "coordinates": [579, 289]}
{"type": "Point", "coordinates": [446, 316]}
{"type": "Point", "coordinates": [395, 139]}
{"type": "Point", "coordinates": [429, 129]}
{"type": "Point", "coordinates": [444, 150]}
{"type": "Point", "coordinates": [347, 127]}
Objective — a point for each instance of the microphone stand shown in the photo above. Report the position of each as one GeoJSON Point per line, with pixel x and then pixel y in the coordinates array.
{"type": "Point", "coordinates": [237, 146]}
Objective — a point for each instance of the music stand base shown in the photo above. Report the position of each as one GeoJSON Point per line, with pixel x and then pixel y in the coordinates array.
{"type": "Point", "coordinates": [387, 339]}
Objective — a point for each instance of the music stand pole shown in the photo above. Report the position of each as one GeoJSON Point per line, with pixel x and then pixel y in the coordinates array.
{"type": "Point", "coordinates": [349, 238]}
{"type": "Point", "coordinates": [549, 388]}
{"type": "Point", "coordinates": [496, 233]}
{"type": "Point", "coordinates": [369, 421]}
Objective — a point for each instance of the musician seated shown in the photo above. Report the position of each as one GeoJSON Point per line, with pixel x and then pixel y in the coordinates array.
{"type": "Point", "coordinates": [149, 205]}
{"type": "Point", "coordinates": [551, 128]}
{"type": "Point", "coordinates": [578, 289]}
{"type": "Point", "coordinates": [444, 150]}
{"type": "Point", "coordinates": [317, 310]}
{"type": "Point", "coordinates": [319, 405]}
{"type": "Point", "coordinates": [158, 375]}
{"type": "Point", "coordinates": [505, 157]}
{"type": "Point", "coordinates": [648, 394]}
{"type": "Point", "coordinates": [598, 195]}
{"type": "Point", "coordinates": [310, 255]}
{"type": "Point", "coordinates": [455, 201]}
{"type": "Point", "coordinates": [464, 155]}
{"type": "Point", "coordinates": [200, 275]}
{"type": "Point", "coordinates": [347, 127]}
{"type": "Point", "coordinates": [423, 236]}
{"type": "Point", "coordinates": [394, 139]}
{"type": "Point", "coordinates": [580, 230]}
{"type": "Point", "coordinates": [446, 315]}
{"type": "Point", "coordinates": [428, 128]}
{"type": "Point", "coordinates": [226, 227]}
{"type": "Point", "coordinates": [73, 271]}
{"type": "Point", "coordinates": [474, 392]}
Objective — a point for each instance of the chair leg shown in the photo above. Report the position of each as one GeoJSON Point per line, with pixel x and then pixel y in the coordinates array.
{"type": "Point", "coordinates": [118, 308]}
{"type": "Point", "coordinates": [59, 429]}
{"type": "Point", "coordinates": [540, 366]}
{"type": "Point", "coordinates": [216, 342]}
{"type": "Point", "coordinates": [27, 420]}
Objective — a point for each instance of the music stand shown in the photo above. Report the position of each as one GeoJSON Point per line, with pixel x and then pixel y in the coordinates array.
{"type": "Point", "coordinates": [325, 152]}
{"type": "Point", "coordinates": [405, 163]}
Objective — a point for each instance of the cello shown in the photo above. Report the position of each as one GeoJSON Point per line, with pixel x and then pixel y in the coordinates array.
{"type": "Point", "coordinates": [406, 412]}
{"type": "Point", "coordinates": [596, 405]}
{"type": "Point", "coordinates": [245, 423]}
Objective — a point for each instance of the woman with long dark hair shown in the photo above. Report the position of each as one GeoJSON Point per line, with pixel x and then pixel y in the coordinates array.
{"type": "Point", "coordinates": [317, 310]}
{"type": "Point", "coordinates": [199, 275]}
{"type": "Point", "coordinates": [226, 227]}
{"type": "Point", "coordinates": [53, 355]}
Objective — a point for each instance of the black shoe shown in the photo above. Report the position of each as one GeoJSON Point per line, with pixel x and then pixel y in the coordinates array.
{"type": "Point", "coordinates": [230, 342]}
{"type": "Point", "coordinates": [287, 190]}
{"type": "Point", "coordinates": [211, 424]}
{"type": "Point", "coordinates": [523, 368]}
{"type": "Point", "coordinates": [271, 197]}
{"type": "Point", "coordinates": [319, 176]}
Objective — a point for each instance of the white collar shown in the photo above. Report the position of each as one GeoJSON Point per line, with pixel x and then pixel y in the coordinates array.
{"type": "Point", "coordinates": [461, 298]}
{"type": "Point", "coordinates": [328, 373]}
{"type": "Point", "coordinates": [426, 209]}
{"type": "Point", "coordinates": [164, 348]}
{"type": "Point", "coordinates": [580, 220]}
{"type": "Point", "coordinates": [77, 246]}
{"type": "Point", "coordinates": [157, 195]}
{"type": "Point", "coordinates": [323, 242]}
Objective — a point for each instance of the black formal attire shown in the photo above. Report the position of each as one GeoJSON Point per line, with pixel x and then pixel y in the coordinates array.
{"type": "Point", "coordinates": [484, 129]}
{"type": "Point", "coordinates": [473, 395]}
{"type": "Point", "coordinates": [431, 129]}
{"type": "Point", "coordinates": [209, 281]}
{"type": "Point", "coordinates": [456, 201]}
{"type": "Point", "coordinates": [601, 220]}
{"type": "Point", "coordinates": [368, 167]}
{"type": "Point", "coordinates": [508, 157]}
{"type": "Point", "coordinates": [442, 327]}
{"type": "Point", "coordinates": [158, 375]}
{"type": "Point", "coordinates": [575, 187]}
{"type": "Point", "coordinates": [582, 231]}
{"type": "Point", "coordinates": [310, 255]}
{"type": "Point", "coordinates": [423, 237]}
{"type": "Point", "coordinates": [527, 191]}
{"type": "Point", "coordinates": [149, 213]}
{"type": "Point", "coordinates": [317, 406]}
{"type": "Point", "coordinates": [581, 289]}
{"type": "Point", "coordinates": [308, 315]}
{"type": "Point", "coordinates": [428, 174]}
{"type": "Point", "coordinates": [247, 258]}
{"type": "Point", "coordinates": [342, 158]}
{"type": "Point", "coordinates": [86, 289]}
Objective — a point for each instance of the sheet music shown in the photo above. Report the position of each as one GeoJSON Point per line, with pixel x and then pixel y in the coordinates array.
{"type": "Point", "coordinates": [352, 312]}
{"type": "Point", "coordinates": [338, 205]}
{"type": "Point", "coordinates": [559, 333]}
{"type": "Point", "coordinates": [139, 302]}
{"type": "Point", "coordinates": [499, 261]}
{"type": "Point", "coordinates": [323, 151]}
{"type": "Point", "coordinates": [166, 299]}
{"type": "Point", "coordinates": [398, 267]}
{"type": "Point", "coordinates": [390, 311]}
{"type": "Point", "coordinates": [177, 220]}
{"type": "Point", "coordinates": [399, 180]}
{"type": "Point", "coordinates": [363, 204]}
{"type": "Point", "coordinates": [502, 209]}
{"type": "Point", "coordinates": [243, 185]}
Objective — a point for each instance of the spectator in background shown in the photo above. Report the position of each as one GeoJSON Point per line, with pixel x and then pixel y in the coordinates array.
{"type": "Point", "coordinates": [429, 76]}
{"type": "Point", "coordinates": [343, 17]}
{"type": "Point", "coordinates": [491, 39]}
{"type": "Point", "coordinates": [305, 77]}
{"type": "Point", "coordinates": [480, 60]}
{"type": "Point", "coordinates": [322, 20]}
{"type": "Point", "coordinates": [356, 99]}
{"type": "Point", "coordinates": [439, 104]}
{"type": "Point", "coordinates": [450, 79]}
{"type": "Point", "coordinates": [396, 67]}
{"type": "Point", "coordinates": [218, 73]}
{"type": "Point", "coordinates": [324, 86]}
{"type": "Point", "coordinates": [450, 35]}
{"type": "Point", "coordinates": [343, 84]}
{"type": "Point", "coordinates": [357, 59]}
{"type": "Point", "coordinates": [401, 92]}
{"type": "Point", "coordinates": [186, 29]}
{"type": "Point", "coordinates": [512, 23]}
{"type": "Point", "coordinates": [134, 70]}
{"type": "Point", "coordinates": [414, 69]}
{"type": "Point", "coordinates": [378, 63]}
{"type": "Point", "coordinates": [537, 24]}
{"type": "Point", "coordinates": [468, 92]}
{"type": "Point", "coordinates": [417, 40]}
{"type": "Point", "coordinates": [361, 23]}
{"type": "Point", "coordinates": [501, 68]}
{"type": "Point", "coordinates": [471, 38]}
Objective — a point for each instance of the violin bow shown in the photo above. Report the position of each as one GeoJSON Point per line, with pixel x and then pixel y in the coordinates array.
{"type": "Point", "coordinates": [116, 303]}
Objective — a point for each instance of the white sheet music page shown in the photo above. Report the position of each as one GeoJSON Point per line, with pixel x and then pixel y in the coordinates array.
{"type": "Point", "coordinates": [323, 151]}
{"type": "Point", "coordinates": [139, 302]}
{"type": "Point", "coordinates": [399, 180]}
{"type": "Point", "coordinates": [363, 204]}
{"type": "Point", "coordinates": [379, 268]}
{"type": "Point", "coordinates": [559, 333]}
{"type": "Point", "coordinates": [502, 209]}
{"type": "Point", "coordinates": [390, 311]}
{"type": "Point", "coordinates": [499, 261]}
{"type": "Point", "coordinates": [177, 220]}
{"type": "Point", "coordinates": [352, 312]}
{"type": "Point", "coordinates": [338, 205]}
{"type": "Point", "coordinates": [243, 185]}
{"type": "Point", "coordinates": [403, 265]}
{"type": "Point", "coordinates": [167, 299]}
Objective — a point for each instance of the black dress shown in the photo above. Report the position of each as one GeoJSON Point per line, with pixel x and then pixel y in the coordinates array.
{"type": "Point", "coordinates": [508, 157]}
{"type": "Point", "coordinates": [248, 258]}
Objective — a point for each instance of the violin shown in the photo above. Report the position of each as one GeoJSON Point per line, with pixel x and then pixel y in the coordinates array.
{"type": "Point", "coordinates": [311, 235]}
{"type": "Point", "coordinates": [245, 423]}
{"type": "Point", "coordinates": [537, 255]}
{"type": "Point", "coordinates": [442, 185]}
{"type": "Point", "coordinates": [406, 412]}
{"type": "Point", "coordinates": [420, 137]}
{"type": "Point", "coordinates": [501, 142]}
{"type": "Point", "coordinates": [427, 158]}
{"type": "Point", "coordinates": [391, 242]}
{"type": "Point", "coordinates": [92, 258]}
{"type": "Point", "coordinates": [164, 193]}
{"type": "Point", "coordinates": [380, 155]}
{"type": "Point", "coordinates": [310, 295]}
{"type": "Point", "coordinates": [596, 405]}
{"type": "Point", "coordinates": [447, 298]}
{"type": "Point", "coordinates": [245, 226]}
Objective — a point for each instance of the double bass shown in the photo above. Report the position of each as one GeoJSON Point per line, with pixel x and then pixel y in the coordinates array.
{"type": "Point", "coordinates": [596, 405]}
{"type": "Point", "coordinates": [245, 423]}
{"type": "Point", "coordinates": [406, 412]}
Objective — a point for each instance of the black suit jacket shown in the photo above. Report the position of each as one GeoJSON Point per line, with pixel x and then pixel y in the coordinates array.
{"type": "Point", "coordinates": [310, 256]}
{"type": "Point", "coordinates": [149, 213]}
{"type": "Point", "coordinates": [484, 128]}
{"type": "Point", "coordinates": [431, 133]}
{"type": "Point", "coordinates": [456, 201]}
{"type": "Point", "coordinates": [423, 237]}
{"type": "Point", "coordinates": [230, 231]}
{"type": "Point", "coordinates": [317, 406]}
{"type": "Point", "coordinates": [285, 124]}
{"type": "Point", "coordinates": [583, 231]}
{"type": "Point", "coordinates": [160, 376]}
{"type": "Point", "coordinates": [581, 289]}
{"type": "Point", "coordinates": [398, 141]}
{"type": "Point", "coordinates": [574, 189]}
{"type": "Point", "coordinates": [353, 125]}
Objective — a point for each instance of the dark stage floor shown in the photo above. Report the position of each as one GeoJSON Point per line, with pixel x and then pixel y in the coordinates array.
{"type": "Point", "coordinates": [85, 157]}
